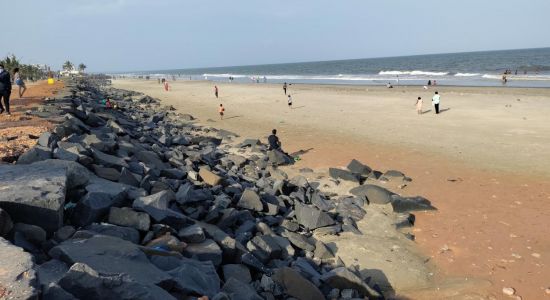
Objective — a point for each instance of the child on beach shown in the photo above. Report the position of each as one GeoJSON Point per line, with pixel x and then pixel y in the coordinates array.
{"type": "Point", "coordinates": [419, 105]}
{"type": "Point", "coordinates": [289, 102]}
{"type": "Point", "coordinates": [435, 100]}
{"type": "Point", "coordinates": [221, 110]}
{"type": "Point", "coordinates": [19, 82]}
{"type": "Point", "coordinates": [216, 91]}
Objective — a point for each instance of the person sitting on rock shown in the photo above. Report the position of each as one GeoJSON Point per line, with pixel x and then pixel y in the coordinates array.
{"type": "Point", "coordinates": [274, 143]}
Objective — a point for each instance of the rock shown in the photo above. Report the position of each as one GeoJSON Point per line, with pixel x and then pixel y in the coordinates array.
{"type": "Point", "coordinates": [192, 234]}
{"type": "Point", "coordinates": [48, 140]}
{"type": "Point", "coordinates": [299, 241]}
{"type": "Point", "coordinates": [393, 174]}
{"type": "Point", "coordinates": [6, 224]}
{"type": "Point", "coordinates": [110, 255]}
{"type": "Point", "coordinates": [357, 167]}
{"type": "Point", "coordinates": [101, 143]}
{"type": "Point", "coordinates": [236, 289]}
{"type": "Point", "coordinates": [50, 272]}
{"type": "Point", "coordinates": [374, 193]}
{"type": "Point", "coordinates": [151, 159]}
{"type": "Point", "coordinates": [84, 282]}
{"type": "Point", "coordinates": [209, 177]}
{"type": "Point", "coordinates": [127, 177]}
{"type": "Point", "coordinates": [207, 250]}
{"type": "Point", "coordinates": [157, 206]}
{"type": "Point", "coordinates": [108, 160]}
{"type": "Point", "coordinates": [268, 245]}
{"type": "Point", "coordinates": [278, 158]}
{"type": "Point", "coordinates": [343, 175]}
{"type": "Point", "coordinates": [64, 233]}
{"type": "Point", "coordinates": [55, 292]}
{"type": "Point", "coordinates": [93, 207]}
{"type": "Point", "coordinates": [405, 204]}
{"type": "Point", "coordinates": [341, 278]}
{"type": "Point", "coordinates": [508, 291]}
{"type": "Point", "coordinates": [197, 277]}
{"type": "Point", "coordinates": [34, 194]}
{"type": "Point", "coordinates": [126, 233]}
{"type": "Point", "coordinates": [111, 174]}
{"type": "Point", "coordinates": [237, 271]}
{"type": "Point", "coordinates": [128, 217]}
{"type": "Point", "coordinates": [187, 194]}
{"type": "Point", "coordinates": [63, 154]}
{"type": "Point", "coordinates": [250, 200]}
{"type": "Point", "coordinates": [322, 251]}
{"type": "Point", "coordinates": [32, 233]}
{"type": "Point", "coordinates": [311, 217]}
{"type": "Point", "coordinates": [295, 285]}
{"type": "Point", "coordinates": [17, 275]}
{"type": "Point", "coordinates": [35, 154]}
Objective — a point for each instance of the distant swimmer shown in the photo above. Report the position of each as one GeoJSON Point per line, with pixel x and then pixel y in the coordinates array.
{"type": "Point", "coordinates": [216, 91]}
{"type": "Point", "coordinates": [284, 87]}
{"type": "Point", "coordinates": [221, 110]}
{"type": "Point", "coordinates": [435, 82]}
{"type": "Point", "coordinates": [429, 82]}
{"type": "Point", "coordinates": [265, 79]}
{"type": "Point", "coordinates": [419, 105]}
{"type": "Point", "coordinates": [435, 101]}
{"type": "Point", "coordinates": [504, 79]}
{"type": "Point", "coordinates": [289, 101]}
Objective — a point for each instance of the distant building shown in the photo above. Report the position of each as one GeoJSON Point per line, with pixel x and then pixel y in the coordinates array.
{"type": "Point", "coordinates": [71, 72]}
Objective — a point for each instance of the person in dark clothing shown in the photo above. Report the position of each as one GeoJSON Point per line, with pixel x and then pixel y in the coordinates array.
{"type": "Point", "coordinates": [284, 87]}
{"type": "Point", "coordinates": [5, 90]}
{"type": "Point", "coordinates": [274, 143]}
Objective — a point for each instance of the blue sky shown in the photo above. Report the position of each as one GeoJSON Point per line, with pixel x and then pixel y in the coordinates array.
{"type": "Point", "coordinates": [130, 35]}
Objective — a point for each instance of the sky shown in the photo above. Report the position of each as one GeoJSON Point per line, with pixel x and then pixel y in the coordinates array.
{"type": "Point", "coordinates": [137, 35]}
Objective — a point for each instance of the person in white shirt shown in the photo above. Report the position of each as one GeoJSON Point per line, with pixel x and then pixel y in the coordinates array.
{"type": "Point", "coordinates": [435, 101]}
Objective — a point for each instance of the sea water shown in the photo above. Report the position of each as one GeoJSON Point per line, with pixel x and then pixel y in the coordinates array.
{"type": "Point", "coordinates": [528, 67]}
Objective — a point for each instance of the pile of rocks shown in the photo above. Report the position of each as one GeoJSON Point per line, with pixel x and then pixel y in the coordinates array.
{"type": "Point", "coordinates": [141, 203]}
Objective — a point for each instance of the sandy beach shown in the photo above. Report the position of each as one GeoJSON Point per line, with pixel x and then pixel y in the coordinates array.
{"type": "Point", "coordinates": [482, 161]}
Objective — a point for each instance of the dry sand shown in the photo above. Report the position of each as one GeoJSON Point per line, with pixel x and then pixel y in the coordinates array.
{"type": "Point", "coordinates": [483, 162]}
{"type": "Point", "coordinates": [16, 130]}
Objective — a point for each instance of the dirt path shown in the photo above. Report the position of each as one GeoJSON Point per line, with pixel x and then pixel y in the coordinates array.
{"type": "Point", "coordinates": [17, 131]}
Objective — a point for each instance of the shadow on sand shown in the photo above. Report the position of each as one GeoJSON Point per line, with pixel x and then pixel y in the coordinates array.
{"type": "Point", "coordinates": [300, 152]}
{"type": "Point", "coordinates": [426, 111]}
{"type": "Point", "coordinates": [232, 117]}
{"type": "Point", "coordinates": [444, 110]}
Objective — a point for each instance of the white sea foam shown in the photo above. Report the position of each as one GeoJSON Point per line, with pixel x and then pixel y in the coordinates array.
{"type": "Point", "coordinates": [467, 74]}
{"type": "Point", "coordinates": [413, 73]}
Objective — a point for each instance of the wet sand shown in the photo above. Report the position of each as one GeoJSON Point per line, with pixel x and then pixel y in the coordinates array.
{"type": "Point", "coordinates": [482, 161]}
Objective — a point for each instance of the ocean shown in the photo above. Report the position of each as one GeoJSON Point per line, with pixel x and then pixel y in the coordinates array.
{"type": "Point", "coordinates": [528, 68]}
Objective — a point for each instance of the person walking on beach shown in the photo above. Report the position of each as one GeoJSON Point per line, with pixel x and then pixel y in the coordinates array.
{"type": "Point", "coordinates": [289, 101]}
{"type": "Point", "coordinates": [284, 87]}
{"type": "Point", "coordinates": [435, 101]}
{"type": "Point", "coordinates": [19, 82]}
{"type": "Point", "coordinates": [166, 85]}
{"type": "Point", "coordinates": [419, 105]}
{"type": "Point", "coordinates": [5, 90]}
{"type": "Point", "coordinates": [221, 110]}
{"type": "Point", "coordinates": [216, 91]}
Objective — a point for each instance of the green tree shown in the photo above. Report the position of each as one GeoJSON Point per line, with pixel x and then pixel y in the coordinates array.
{"type": "Point", "coordinates": [82, 67]}
{"type": "Point", "coordinates": [68, 66]}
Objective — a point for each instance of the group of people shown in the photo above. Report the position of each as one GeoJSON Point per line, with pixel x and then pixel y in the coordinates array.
{"type": "Point", "coordinates": [435, 101]}
{"type": "Point", "coordinates": [6, 87]}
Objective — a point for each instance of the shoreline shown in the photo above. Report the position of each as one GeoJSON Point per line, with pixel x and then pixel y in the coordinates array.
{"type": "Point", "coordinates": [479, 198]}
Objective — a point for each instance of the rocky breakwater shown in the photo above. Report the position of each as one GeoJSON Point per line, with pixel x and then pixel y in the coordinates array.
{"type": "Point", "coordinates": [141, 203]}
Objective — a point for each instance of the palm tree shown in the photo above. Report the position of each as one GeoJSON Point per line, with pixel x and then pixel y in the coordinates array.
{"type": "Point", "coordinates": [68, 66]}
{"type": "Point", "coordinates": [82, 67]}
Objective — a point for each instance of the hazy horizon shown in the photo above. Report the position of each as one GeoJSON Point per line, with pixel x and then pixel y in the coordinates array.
{"type": "Point", "coordinates": [331, 60]}
{"type": "Point", "coordinates": [126, 35]}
